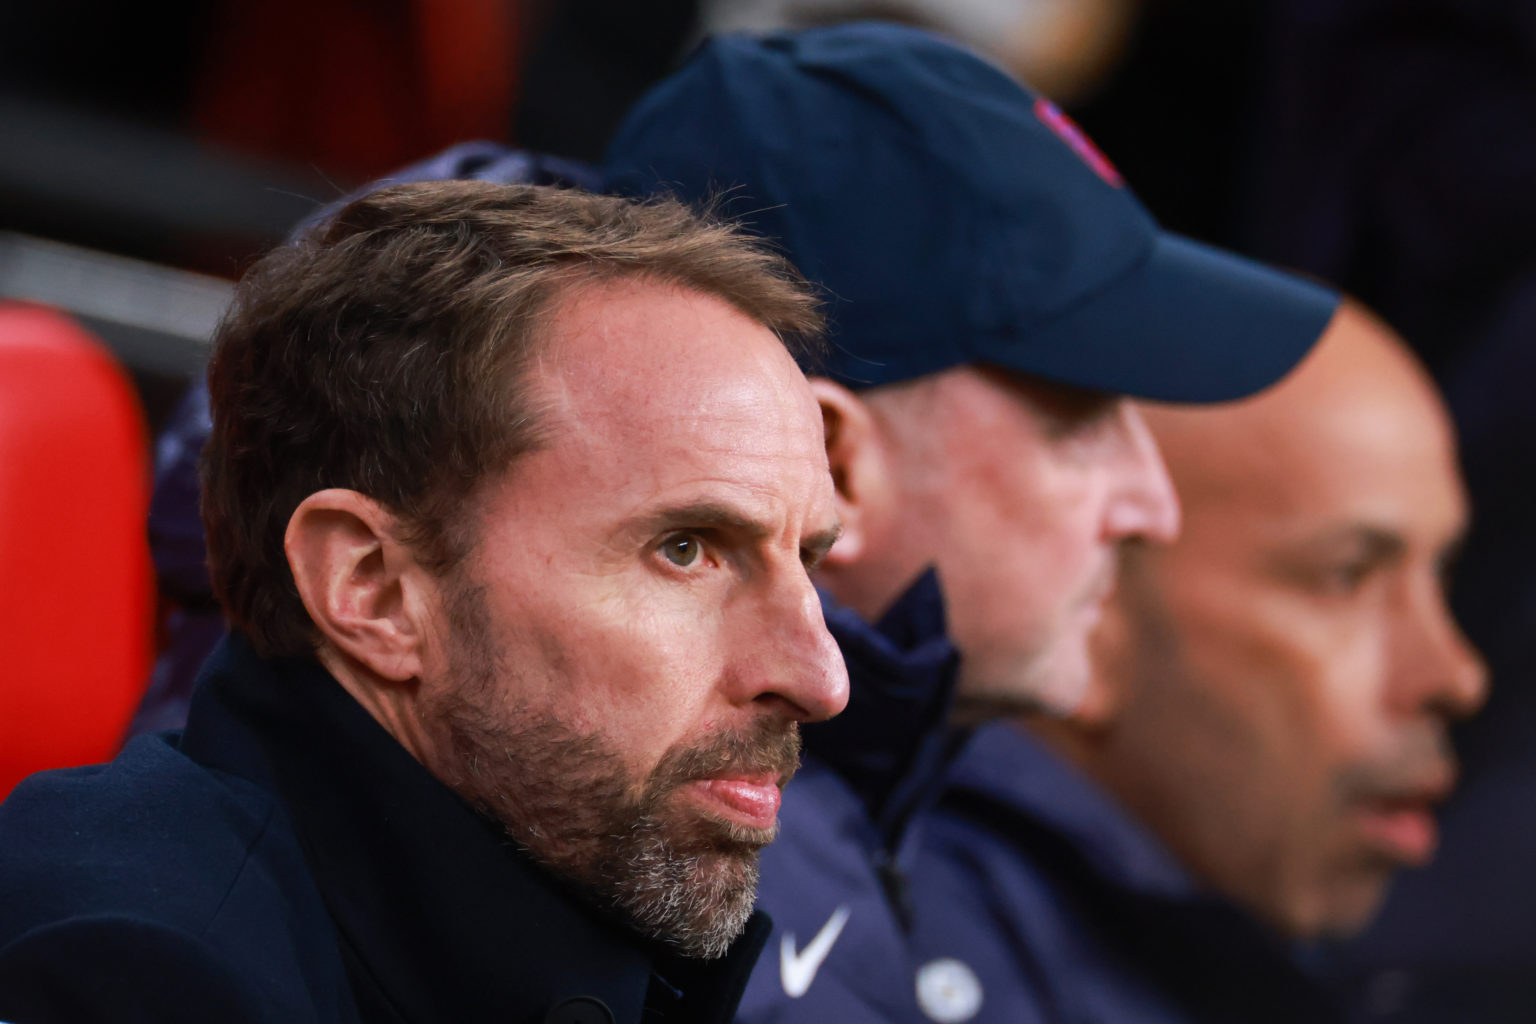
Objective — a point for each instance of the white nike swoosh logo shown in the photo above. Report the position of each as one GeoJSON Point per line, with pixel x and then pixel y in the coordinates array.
{"type": "Point", "coordinates": [798, 970]}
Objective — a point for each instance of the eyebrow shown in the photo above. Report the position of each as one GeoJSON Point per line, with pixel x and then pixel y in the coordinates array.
{"type": "Point", "coordinates": [820, 542]}
{"type": "Point", "coordinates": [711, 515]}
{"type": "Point", "coordinates": [1382, 543]}
{"type": "Point", "coordinates": [1378, 543]}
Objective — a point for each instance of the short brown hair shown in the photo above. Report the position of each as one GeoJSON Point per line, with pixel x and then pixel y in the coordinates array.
{"type": "Point", "coordinates": [384, 352]}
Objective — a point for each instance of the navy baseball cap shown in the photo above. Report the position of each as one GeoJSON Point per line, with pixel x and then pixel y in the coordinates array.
{"type": "Point", "coordinates": [954, 217]}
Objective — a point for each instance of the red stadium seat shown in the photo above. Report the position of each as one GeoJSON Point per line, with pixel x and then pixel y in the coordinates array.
{"type": "Point", "coordinates": [76, 586]}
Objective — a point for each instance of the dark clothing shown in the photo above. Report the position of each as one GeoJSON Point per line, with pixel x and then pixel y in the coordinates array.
{"type": "Point", "coordinates": [193, 622]}
{"type": "Point", "coordinates": [845, 829]}
{"type": "Point", "coordinates": [1066, 908]}
{"type": "Point", "coordinates": [1026, 894]}
{"type": "Point", "coordinates": [285, 860]}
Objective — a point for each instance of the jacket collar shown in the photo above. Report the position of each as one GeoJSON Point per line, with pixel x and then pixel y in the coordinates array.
{"type": "Point", "coordinates": [1208, 954]}
{"type": "Point", "coordinates": [892, 742]}
{"type": "Point", "coordinates": [1021, 779]}
{"type": "Point", "coordinates": [437, 912]}
{"type": "Point", "coordinates": [893, 747]}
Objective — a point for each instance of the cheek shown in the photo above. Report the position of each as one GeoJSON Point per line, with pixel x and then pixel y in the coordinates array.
{"type": "Point", "coordinates": [1329, 662]}
{"type": "Point", "coordinates": [1354, 720]}
{"type": "Point", "coordinates": [637, 669]}
{"type": "Point", "coordinates": [1302, 679]}
{"type": "Point", "coordinates": [1012, 551]}
{"type": "Point", "coordinates": [1262, 661]}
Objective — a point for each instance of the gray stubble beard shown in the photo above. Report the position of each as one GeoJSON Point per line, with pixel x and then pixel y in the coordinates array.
{"type": "Point", "coordinates": [566, 798]}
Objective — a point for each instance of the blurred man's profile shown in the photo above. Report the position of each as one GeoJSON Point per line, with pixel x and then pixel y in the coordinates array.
{"type": "Point", "coordinates": [1266, 737]}
{"type": "Point", "coordinates": [1285, 675]}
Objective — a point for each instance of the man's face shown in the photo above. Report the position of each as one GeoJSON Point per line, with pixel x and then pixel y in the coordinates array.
{"type": "Point", "coordinates": [1021, 494]}
{"type": "Point", "coordinates": [626, 651]}
{"type": "Point", "coordinates": [1290, 664]}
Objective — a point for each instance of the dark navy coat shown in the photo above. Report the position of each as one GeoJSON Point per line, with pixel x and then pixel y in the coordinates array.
{"type": "Point", "coordinates": [285, 861]}
{"type": "Point", "coordinates": [924, 876]}
{"type": "Point", "coordinates": [1058, 906]}
{"type": "Point", "coordinates": [835, 879]}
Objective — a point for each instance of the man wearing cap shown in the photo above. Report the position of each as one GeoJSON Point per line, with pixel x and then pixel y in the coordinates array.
{"type": "Point", "coordinates": [995, 290]}
{"type": "Point", "coordinates": [1267, 736]}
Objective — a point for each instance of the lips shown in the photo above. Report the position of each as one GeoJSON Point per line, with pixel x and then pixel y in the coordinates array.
{"type": "Point", "coordinates": [1400, 822]}
{"type": "Point", "coordinates": [1404, 829]}
{"type": "Point", "coordinates": [1097, 596]}
{"type": "Point", "coordinates": [734, 777]}
{"type": "Point", "coordinates": [747, 800]}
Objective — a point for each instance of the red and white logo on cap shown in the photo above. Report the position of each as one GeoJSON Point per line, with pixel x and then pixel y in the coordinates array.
{"type": "Point", "coordinates": [1067, 130]}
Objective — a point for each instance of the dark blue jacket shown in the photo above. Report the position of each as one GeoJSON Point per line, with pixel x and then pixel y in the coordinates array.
{"type": "Point", "coordinates": [992, 884]}
{"type": "Point", "coordinates": [286, 861]}
{"type": "Point", "coordinates": [837, 870]}
{"type": "Point", "coordinates": [1065, 908]}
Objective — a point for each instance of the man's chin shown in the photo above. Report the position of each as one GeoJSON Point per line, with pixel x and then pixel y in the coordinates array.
{"type": "Point", "coordinates": [1060, 680]}
{"type": "Point", "coordinates": [1056, 684]}
{"type": "Point", "coordinates": [698, 828]}
{"type": "Point", "coordinates": [695, 902]}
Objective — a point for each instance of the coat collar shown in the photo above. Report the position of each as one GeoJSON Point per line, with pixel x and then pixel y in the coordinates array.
{"type": "Point", "coordinates": [439, 915]}
{"type": "Point", "coordinates": [1123, 884]}
{"type": "Point", "coordinates": [1008, 767]}
{"type": "Point", "coordinates": [893, 740]}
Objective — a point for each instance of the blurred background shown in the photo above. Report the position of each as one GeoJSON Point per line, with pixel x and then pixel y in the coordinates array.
{"type": "Point", "coordinates": [149, 151]}
{"type": "Point", "coordinates": [1384, 145]}
{"type": "Point", "coordinates": [193, 134]}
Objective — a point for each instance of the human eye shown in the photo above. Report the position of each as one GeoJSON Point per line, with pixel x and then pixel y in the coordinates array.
{"type": "Point", "coordinates": [1446, 564]}
{"type": "Point", "coordinates": [683, 550]}
{"type": "Point", "coordinates": [814, 551]}
{"type": "Point", "coordinates": [1345, 578]}
{"type": "Point", "coordinates": [1348, 575]}
{"type": "Point", "coordinates": [1347, 566]}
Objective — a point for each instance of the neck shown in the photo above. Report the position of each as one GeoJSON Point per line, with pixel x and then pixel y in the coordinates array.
{"type": "Point", "coordinates": [394, 705]}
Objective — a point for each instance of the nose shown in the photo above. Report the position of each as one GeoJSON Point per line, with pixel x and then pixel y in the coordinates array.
{"type": "Point", "coordinates": [1142, 503]}
{"type": "Point", "coordinates": [1440, 668]}
{"type": "Point", "coordinates": [791, 660]}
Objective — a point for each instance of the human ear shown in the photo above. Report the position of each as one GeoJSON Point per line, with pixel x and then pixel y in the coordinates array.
{"type": "Point", "coordinates": [360, 584]}
{"type": "Point", "coordinates": [858, 468]}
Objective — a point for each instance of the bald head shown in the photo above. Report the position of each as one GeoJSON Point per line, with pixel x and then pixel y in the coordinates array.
{"type": "Point", "coordinates": [1351, 435]}
{"type": "Point", "coordinates": [1277, 684]}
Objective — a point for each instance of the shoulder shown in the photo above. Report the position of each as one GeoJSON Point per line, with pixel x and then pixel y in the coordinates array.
{"type": "Point", "coordinates": [150, 831]}
{"type": "Point", "coordinates": [116, 877]}
{"type": "Point", "coordinates": [836, 938]}
{"type": "Point", "coordinates": [117, 968]}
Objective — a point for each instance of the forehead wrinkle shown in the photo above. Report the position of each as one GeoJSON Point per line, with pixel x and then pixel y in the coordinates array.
{"type": "Point", "coordinates": [717, 417]}
{"type": "Point", "coordinates": [706, 389]}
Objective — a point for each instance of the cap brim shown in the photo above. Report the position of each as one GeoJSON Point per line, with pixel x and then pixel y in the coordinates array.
{"type": "Point", "coordinates": [1190, 324]}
